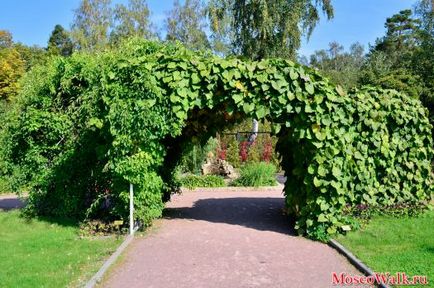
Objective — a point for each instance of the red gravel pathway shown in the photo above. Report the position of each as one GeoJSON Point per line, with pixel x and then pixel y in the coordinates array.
{"type": "Point", "coordinates": [226, 238]}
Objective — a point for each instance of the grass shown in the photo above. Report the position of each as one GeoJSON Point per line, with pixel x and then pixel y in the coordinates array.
{"type": "Point", "coordinates": [256, 175]}
{"type": "Point", "coordinates": [393, 245]}
{"type": "Point", "coordinates": [42, 253]}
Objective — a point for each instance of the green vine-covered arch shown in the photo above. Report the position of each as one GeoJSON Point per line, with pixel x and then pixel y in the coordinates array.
{"type": "Point", "coordinates": [96, 122]}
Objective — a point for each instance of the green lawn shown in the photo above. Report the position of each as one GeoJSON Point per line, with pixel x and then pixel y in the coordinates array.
{"type": "Point", "coordinates": [392, 245]}
{"type": "Point", "coordinates": [41, 253]}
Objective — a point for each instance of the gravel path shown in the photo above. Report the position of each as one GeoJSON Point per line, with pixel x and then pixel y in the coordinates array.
{"type": "Point", "coordinates": [226, 238]}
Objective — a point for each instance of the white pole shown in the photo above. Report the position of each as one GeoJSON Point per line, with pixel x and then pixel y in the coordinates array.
{"type": "Point", "coordinates": [131, 210]}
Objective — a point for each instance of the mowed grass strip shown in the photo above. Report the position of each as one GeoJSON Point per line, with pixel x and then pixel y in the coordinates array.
{"type": "Point", "coordinates": [48, 253]}
{"type": "Point", "coordinates": [389, 244]}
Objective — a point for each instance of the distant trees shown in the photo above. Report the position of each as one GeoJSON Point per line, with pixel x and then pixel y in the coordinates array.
{"type": "Point", "coordinates": [265, 28]}
{"type": "Point", "coordinates": [402, 59]}
{"type": "Point", "coordinates": [12, 67]}
{"type": "Point", "coordinates": [60, 42]}
{"type": "Point", "coordinates": [389, 62]}
{"type": "Point", "coordinates": [131, 20]}
{"type": "Point", "coordinates": [343, 68]}
{"type": "Point", "coordinates": [97, 24]}
{"type": "Point", "coordinates": [401, 33]}
{"type": "Point", "coordinates": [15, 60]}
{"type": "Point", "coordinates": [187, 23]}
{"type": "Point", "coordinates": [423, 58]}
{"type": "Point", "coordinates": [5, 39]}
{"type": "Point", "coordinates": [91, 25]}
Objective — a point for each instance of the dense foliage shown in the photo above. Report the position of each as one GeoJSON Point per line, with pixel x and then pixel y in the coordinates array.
{"type": "Point", "coordinates": [196, 181]}
{"type": "Point", "coordinates": [87, 125]}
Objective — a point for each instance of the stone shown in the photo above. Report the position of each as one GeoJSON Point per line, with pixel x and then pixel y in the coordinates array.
{"type": "Point", "coordinates": [219, 167]}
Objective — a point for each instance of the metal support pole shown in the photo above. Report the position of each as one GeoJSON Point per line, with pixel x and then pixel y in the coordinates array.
{"type": "Point", "coordinates": [131, 210]}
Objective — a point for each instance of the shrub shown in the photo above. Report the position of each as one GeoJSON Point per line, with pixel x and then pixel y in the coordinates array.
{"type": "Point", "coordinates": [257, 174]}
{"type": "Point", "coordinates": [195, 181]}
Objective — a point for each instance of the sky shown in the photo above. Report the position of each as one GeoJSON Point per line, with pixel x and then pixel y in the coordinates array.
{"type": "Point", "coordinates": [31, 21]}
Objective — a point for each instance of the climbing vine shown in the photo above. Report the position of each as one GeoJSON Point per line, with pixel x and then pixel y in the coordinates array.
{"type": "Point", "coordinates": [86, 126]}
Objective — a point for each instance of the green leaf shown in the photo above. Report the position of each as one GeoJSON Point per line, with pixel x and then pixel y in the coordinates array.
{"type": "Point", "coordinates": [151, 102]}
{"type": "Point", "coordinates": [293, 74]}
{"type": "Point", "coordinates": [176, 76]}
{"type": "Point", "coordinates": [95, 122]}
{"type": "Point", "coordinates": [167, 79]}
{"type": "Point", "coordinates": [324, 206]}
{"type": "Point", "coordinates": [290, 95]}
{"type": "Point", "coordinates": [322, 171]}
{"type": "Point", "coordinates": [237, 98]}
{"type": "Point", "coordinates": [248, 107]}
{"type": "Point", "coordinates": [195, 78]}
{"type": "Point", "coordinates": [239, 86]}
{"type": "Point", "coordinates": [111, 75]}
{"type": "Point", "coordinates": [311, 169]}
{"type": "Point", "coordinates": [181, 114]}
{"type": "Point", "coordinates": [322, 218]}
{"type": "Point", "coordinates": [316, 182]}
{"type": "Point", "coordinates": [309, 88]}
{"type": "Point", "coordinates": [358, 155]}
{"type": "Point", "coordinates": [336, 171]}
{"type": "Point", "coordinates": [316, 128]}
{"type": "Point", "coordinates": [262, 65]}
{"type": "Point", "coordinates": [174, 98]}
{"type": "Point", "coordinates": [331, 230]}
{"type": "Point", "coordinates": [260, 112]}
{"type": "Point", "coordinates": [276, 128]}
{"type": "Point", "coordinates": [281, 99]}
{"type": "Point", "coordinates": [183, 92]}
{"type": "Point", "coordinates": [326, 120]}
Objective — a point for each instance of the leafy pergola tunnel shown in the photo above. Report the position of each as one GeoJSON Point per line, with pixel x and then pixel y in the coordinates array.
{"type": "Point", "coordinates": [129, 115]}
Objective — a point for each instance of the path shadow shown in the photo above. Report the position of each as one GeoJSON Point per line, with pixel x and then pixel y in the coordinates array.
{"type": "Point", "coordinates": [264, 214]}
{"type": "Point", "coordinates": [11, 203]}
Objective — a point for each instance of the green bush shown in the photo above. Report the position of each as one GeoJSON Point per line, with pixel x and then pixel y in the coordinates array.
{"type": "Point", "coordinates": [192, 161]}
{"type": "Point", "coordinates": [256, 175]}
{"type": "Point", "coordinates": [195, 181]}
{"type": "Point", "coordinates": [86, 126]}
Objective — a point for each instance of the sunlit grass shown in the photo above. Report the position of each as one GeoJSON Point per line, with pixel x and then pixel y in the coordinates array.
{"type": "Point", "coordinates": [392, 245]}
{"type": "Point", "coordinates": [48, 253]}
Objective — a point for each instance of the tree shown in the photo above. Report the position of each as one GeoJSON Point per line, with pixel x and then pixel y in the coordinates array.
{"type": "Point", "coordinates": [12, 67]}
{"type": "Point", "coordinates": [401, 38]}
{"type": "Point", "coordinates": [5, 39]}
{"type": "Point", "coordinates": [60, 43]}
{"type": "Point", "coordinates": [267, 28]}
{"type": "Point", "coordinates": [31, 55]}
{"type": "Point", "coordinates": [92, 22]}
{"type": "Point", "coordinates": [388, 63]}
{"type": "Point", "coordinates": [186, 23]}
{"type": "Point", "coordinates": [132, 20]}
{"type": "Point", "coordinates": [341, 67]}
{"type": "Point", "coordinates": [15, 60]}
{"type": "Point", "coordinates": [423, 59]}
